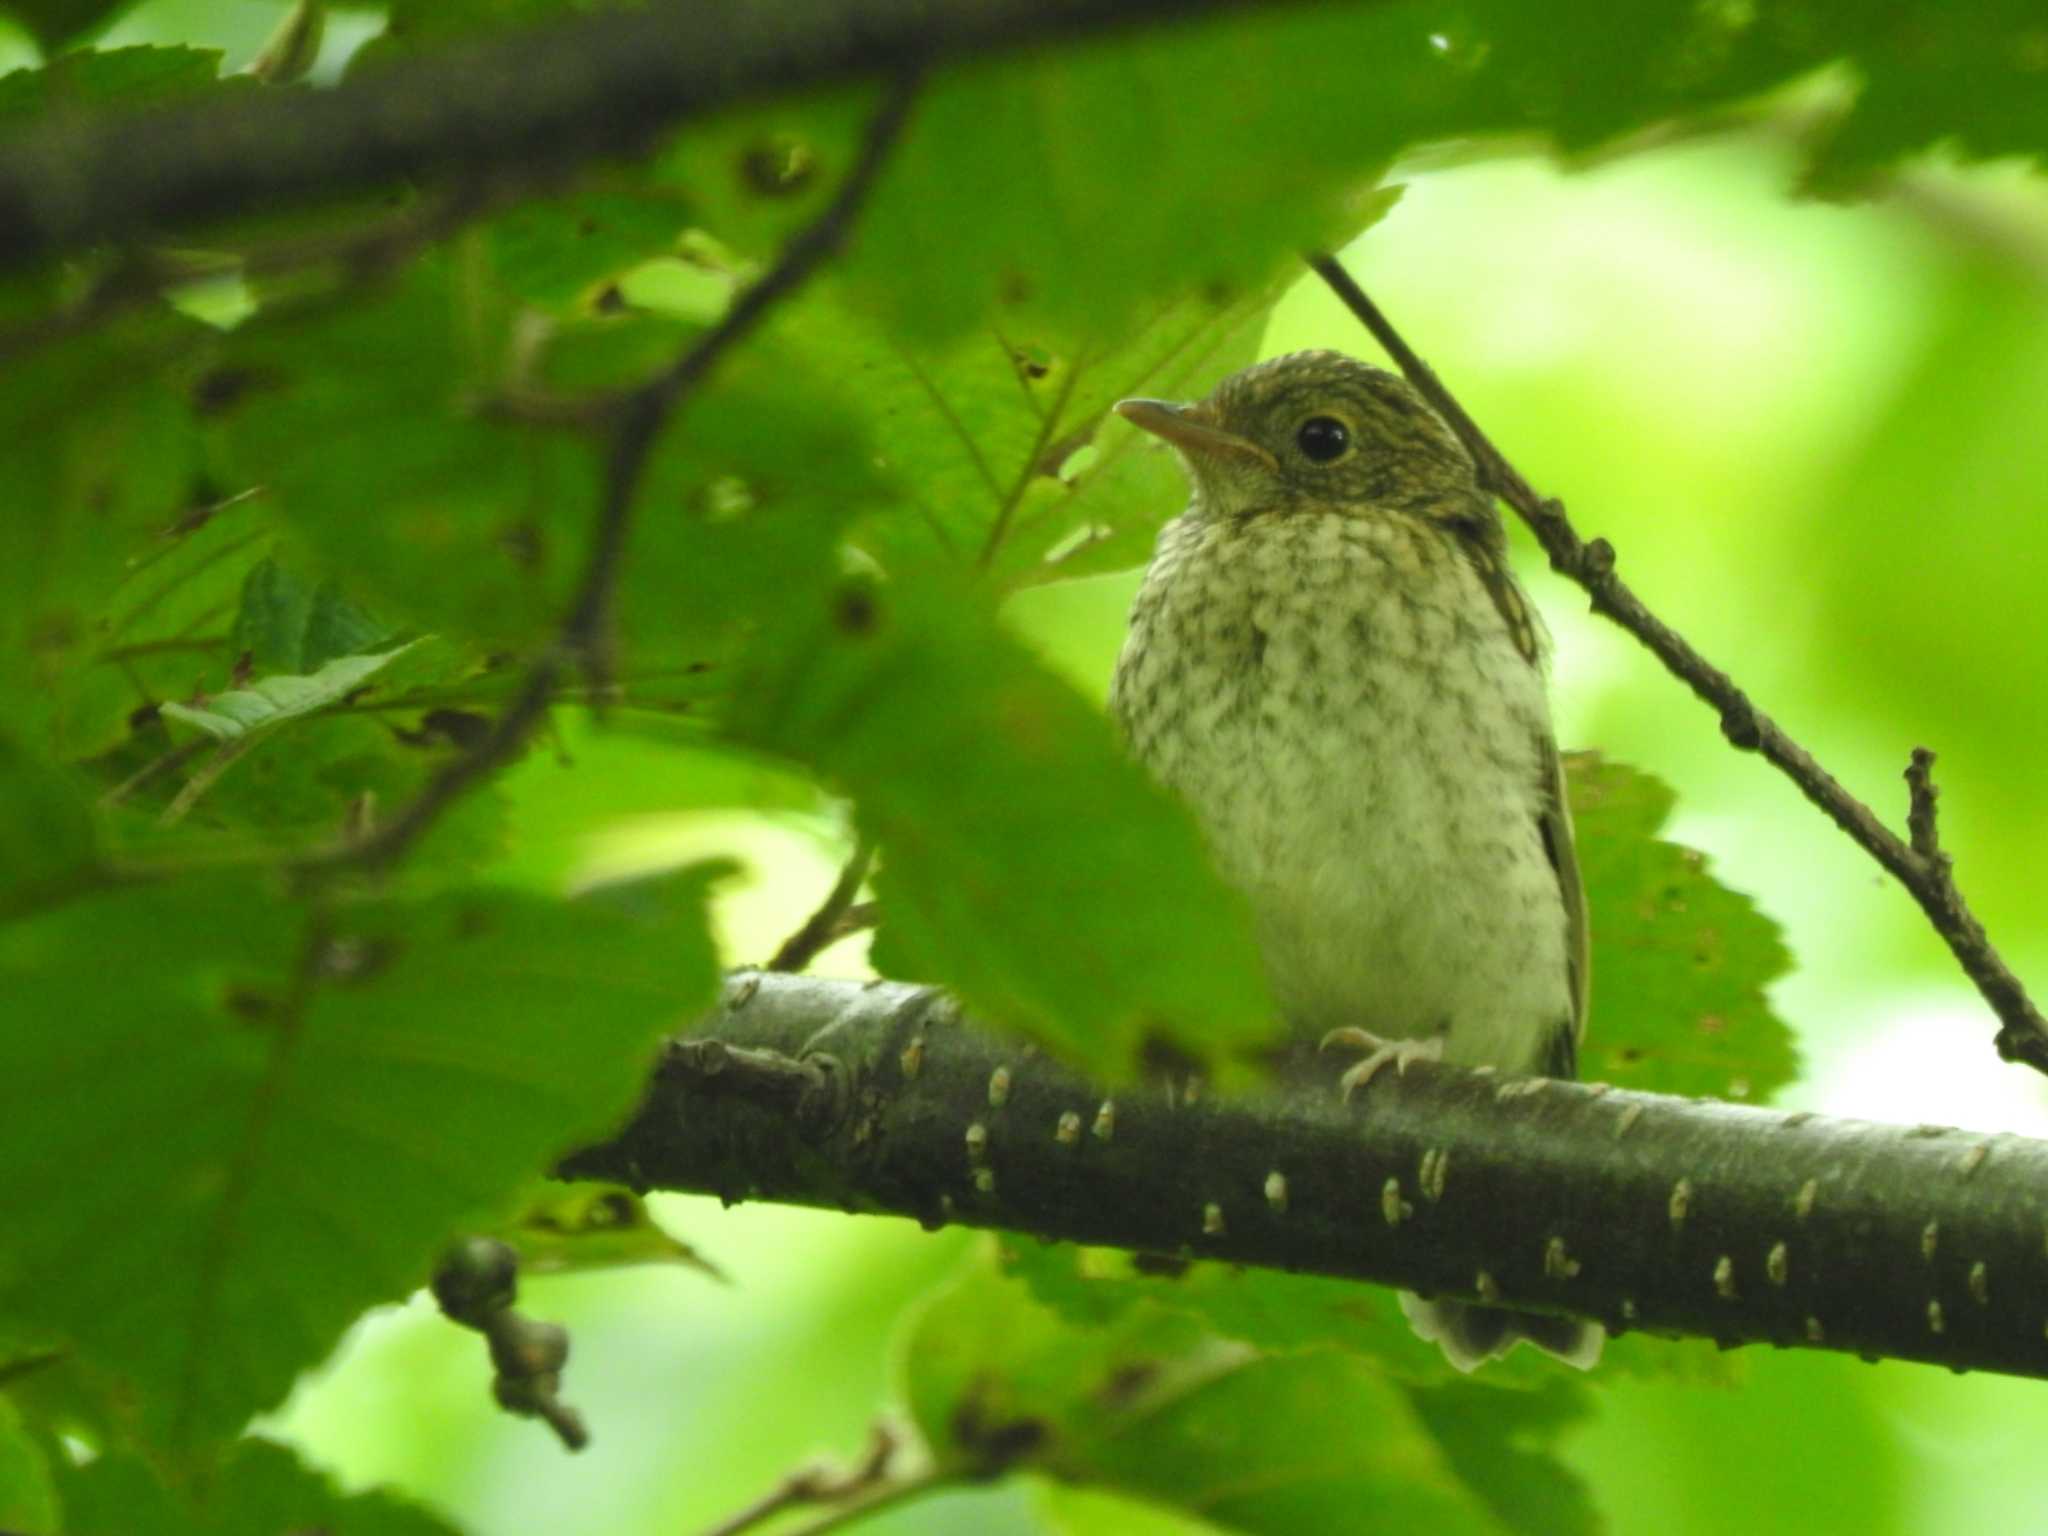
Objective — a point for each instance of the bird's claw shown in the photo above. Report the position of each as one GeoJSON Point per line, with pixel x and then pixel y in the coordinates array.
{"type": "Point", "coordinates": [1378, 1052]}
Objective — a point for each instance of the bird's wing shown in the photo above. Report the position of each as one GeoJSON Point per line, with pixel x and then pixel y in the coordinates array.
{"type": "Point", "coordinates": [1555, 821]}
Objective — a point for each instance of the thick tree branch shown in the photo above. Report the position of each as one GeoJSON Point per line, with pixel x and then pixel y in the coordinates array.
{"type": "Point", "coordinates": [506, 105]}
{"type": "Point", "coordinates": [1920, 865]}
{"type": "Point", "coordinates": [1742, 1225]}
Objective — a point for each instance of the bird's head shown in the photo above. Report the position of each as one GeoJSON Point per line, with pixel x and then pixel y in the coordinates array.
{"type": "Point", "coordinates": [1316, 428]}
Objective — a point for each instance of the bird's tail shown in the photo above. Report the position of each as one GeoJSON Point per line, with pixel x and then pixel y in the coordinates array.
{"type": "Point", "coordinates": [1471, 1335]}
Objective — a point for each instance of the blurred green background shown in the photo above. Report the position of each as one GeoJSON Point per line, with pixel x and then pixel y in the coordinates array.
{"type": "Point", "coordinates": [1815, 434]}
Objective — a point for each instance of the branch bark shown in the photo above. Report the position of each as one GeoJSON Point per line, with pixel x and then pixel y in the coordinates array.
{"type": "Point", "coordinates": [1743, 1225]}
{"type": "Point", "coordinates": [514, 105]}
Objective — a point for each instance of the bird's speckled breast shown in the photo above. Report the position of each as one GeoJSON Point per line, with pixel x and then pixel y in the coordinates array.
{"type": "Point", "coordinates": [1342, 703]}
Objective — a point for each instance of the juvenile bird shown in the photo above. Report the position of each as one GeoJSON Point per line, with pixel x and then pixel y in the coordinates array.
{"type": "Point", "coordinates": [1330, 661]}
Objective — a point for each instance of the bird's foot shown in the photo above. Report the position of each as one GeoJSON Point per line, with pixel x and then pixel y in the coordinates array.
{"type": "Point", "coordinates": [1378, 1052]}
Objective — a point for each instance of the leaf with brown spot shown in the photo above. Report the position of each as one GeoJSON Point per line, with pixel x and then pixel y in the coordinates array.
{"type": "Point", "coordinates": [1681, 964]}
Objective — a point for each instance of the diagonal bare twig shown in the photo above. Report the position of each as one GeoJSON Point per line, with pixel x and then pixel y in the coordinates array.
{"type": "Point", "coordinates": [828, 924]}
{"type": "Point", "coordinates": [637, 420]}
{"type": "Point", "coordinates": [1919, 865]}
{"type": "Point", "coordinates": [820, 1484]}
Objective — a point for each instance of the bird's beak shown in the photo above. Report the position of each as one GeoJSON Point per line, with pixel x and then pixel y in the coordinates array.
{"type": "Point", "coordinates": [1193, 430]}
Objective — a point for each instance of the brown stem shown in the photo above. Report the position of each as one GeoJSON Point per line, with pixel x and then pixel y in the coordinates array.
{"type": "Point", "coordinates": [1920, 866]}
{"type": "Point", "coordinates": [828, 923]}
{"type": "Point", "coordinates": [823, 1485]}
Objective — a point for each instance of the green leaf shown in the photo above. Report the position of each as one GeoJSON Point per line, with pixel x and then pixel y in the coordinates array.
{"type": "Point", "coordinates": [261, 1489]}
{"type": "Point", "coordinates": [1618, 65]}
{"type": "Point", "coordinates": [28, 1502]}
{"type": "Point", "coordinates": [481, 524]}
{"type": "Point", "coordinates": [1098, 179]}
{"type": "Point", "coordinates": [276, 701]}
{"type": "Point", "coordinates": [1153, 1405]}
{"type": "Point", "coordinates": [998, 438]}
{"type": "Point", "coordinates": [264, 1125]}
{"type": "Point", "coordinates": [1091, 1287]}
{"type": "Point", "coordinates": [94, 77]}
{"type": "Point", "coordinates": [101, 545]}
{"type": "Point", "coordinates": [1680, 962]}
{"type": "Point", "coordinates": [46, 830]}
{"type": "Point", "coordinates": [1025, 860]}
{"type": "Point", "coordinates": [285, 624]}
{"type": "Point", "coordinates": [1489, 1436]}
{"type": "Point", "coordinates": [578, 1227]}
{"type": "Point", "coordinates": [1968, 77]}
{"type": "Point", "coordinates": [556, 250]}
{"type": "Point", "coordinates": [762, 171]}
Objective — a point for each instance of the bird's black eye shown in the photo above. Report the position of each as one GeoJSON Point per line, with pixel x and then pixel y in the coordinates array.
{"type": "Point", "coordinates": [1322, 439]}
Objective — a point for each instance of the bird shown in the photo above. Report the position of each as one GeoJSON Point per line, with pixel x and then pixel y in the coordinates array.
{"type": "Point", "coordinates": [1330, 661]}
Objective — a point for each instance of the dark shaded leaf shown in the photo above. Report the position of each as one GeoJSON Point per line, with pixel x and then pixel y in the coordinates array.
{"type": "Point", "coordinates": [1025, 860]}
{"type": "Point", "coordinates": [1154, 1405]}
{"type": "Point", "coordinates": [268, 1127]}
{"type": "Point", "coordinates": [261, 1489]}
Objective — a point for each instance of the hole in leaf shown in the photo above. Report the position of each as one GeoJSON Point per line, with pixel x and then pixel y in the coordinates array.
{"type": "Point", "coordinates": [778, 166]}
{"type": "Point", "coordinates": [1032, 362]}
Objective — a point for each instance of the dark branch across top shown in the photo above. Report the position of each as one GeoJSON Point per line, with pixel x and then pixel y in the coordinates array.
{"type": "Point", "coordinates": [506, 105]}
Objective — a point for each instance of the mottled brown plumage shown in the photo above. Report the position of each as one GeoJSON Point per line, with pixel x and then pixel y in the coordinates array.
{"type": "Point", "coordinates": [1331, 662]}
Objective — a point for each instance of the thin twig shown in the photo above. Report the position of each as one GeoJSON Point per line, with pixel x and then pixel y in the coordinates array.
{"type": "Point", "coordinates": [640, 416]}
{"type": "Point", "coordinates": [878, 1498]}
{"type": "Point", "coordinates": [821, 1484]}
{"type": "Point", "coordinates": [1920, 866]}
{"type": "Point", "coordinates": [826, 925]}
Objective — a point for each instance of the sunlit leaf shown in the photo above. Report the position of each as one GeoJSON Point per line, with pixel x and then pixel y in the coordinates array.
{"type": "Point", "coordinates": [1681, 963]}
{"type": "Point", "coordinates": [274, 701]}
{"type": "Point", "coordinates": [575, 1228]}
{"type": "Point", "coordinates": [1000, 441]}
{"type": "Point", "coordinates": [554, 251]}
